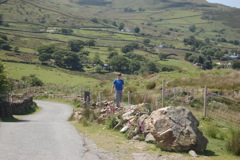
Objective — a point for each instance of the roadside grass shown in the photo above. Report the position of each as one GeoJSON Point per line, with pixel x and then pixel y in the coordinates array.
{"type": "Point", "coordinates": [216, 149]}
{"type": "Point", "coordinates": [229, 80]}
{"type": "Point", "coordinates": [115, 142]}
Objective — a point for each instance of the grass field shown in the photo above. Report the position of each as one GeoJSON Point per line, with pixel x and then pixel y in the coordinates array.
{"type": "Point", "coordinates": [47, 74]}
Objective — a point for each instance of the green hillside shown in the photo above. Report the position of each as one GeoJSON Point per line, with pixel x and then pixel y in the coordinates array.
{"type": "Point", "coordinates": [29, 25]}
{"type": "Point", "coordinates": [69, 46]}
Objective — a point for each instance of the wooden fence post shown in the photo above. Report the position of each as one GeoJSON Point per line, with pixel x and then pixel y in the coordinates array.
{"type": "Point", "coordinates": [129, 97]}
{"type": "Point", "coordinates": [205, 103]}
{"type": "Point", "coordinates": [163, 93]}
{"type": "Point", "coordinates": [100, 96]}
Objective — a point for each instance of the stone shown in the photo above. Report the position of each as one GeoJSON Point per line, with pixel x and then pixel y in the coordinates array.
{"type": "Point", "coordinates": [175, 129]}
{"type": "Point", "coordinates": [127, 116]}
{"type": "Point", "coordinates": [137, 137]}
{"type": "Point", "coordinates": [193, 153]}
{"type": "Point", "coordinates": [150, 139]}
{"type": "Point", "coordinates": [124, 129]}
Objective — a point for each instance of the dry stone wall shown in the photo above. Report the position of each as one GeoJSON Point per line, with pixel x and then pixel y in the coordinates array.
{"type": "Point", "coordinates": [17, 105]}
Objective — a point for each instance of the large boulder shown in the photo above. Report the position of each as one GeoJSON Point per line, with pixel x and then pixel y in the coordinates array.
{"type": "Point", "coordinates": [175, 129]}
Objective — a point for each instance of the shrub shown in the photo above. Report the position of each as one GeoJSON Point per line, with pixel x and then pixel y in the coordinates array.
{"type": "Point", "coordinates": [233, 143]}
{"type": "Point", "coordinates": [98, 68]}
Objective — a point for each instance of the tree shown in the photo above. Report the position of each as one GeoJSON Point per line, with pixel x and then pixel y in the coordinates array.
{"type": "Point", "coordinates": [5, 46]}
{"type": "Point", "coordinates": [127, 48]}
{"type": "Point", "coordinates": [187, 55]}
{"type": "Point", "coordinates": [134, 66]}
{"type": "Point", "coordinates": [45, 52]}
{"type": "Point", "coordinates": [3, 36]}
{"type": "Point", "coordinates": [201, 59]}
{"type": "Point", "coordinates": [51, 48]}
{"type": "Point", "coordinates": [97, 60]}
{"type": "Point", "coordinates": [66, 31]}
{"type": "Point", "coordinates": [152, 67]}
{"type": "Point", "coordinates": [1, 19]}
{"type": "Point", "coordinates": [58, 57]}
{"type": "Point", "coordinates": [121, 26]}
{"type": "Point", "coordinates": [192, 28]}
{"type": "Point", "coordinates": [72, 61]}
{"type": "Point", "coordinates": [94, 20]}
{"type": "Point", "coordinates": [111, 54]}
{"type": "Point", "coordinates": [44, 57]}
{"type": "Point", "coordinates": [114, 23]}
{"type": "Point", "coordinates": [136, 29]}
{"type": "Point", "coordinates": [119, 63]}
{"type": "Point", "coordinates": [90, 43]}
{"type": "Point", "coordinates": [4, 84]}
{"type": "Point", "coordinates": [146, 42]}
{"type": "Point", "coordinates": [67, 59]}
{"type": "Point", "coordinates": [236, 64]}
{"type": "Point", "coordinates": [75, 45]}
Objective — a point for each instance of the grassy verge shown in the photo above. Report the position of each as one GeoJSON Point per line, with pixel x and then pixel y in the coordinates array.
{"type": "Point", "coordinates": [115, 142]}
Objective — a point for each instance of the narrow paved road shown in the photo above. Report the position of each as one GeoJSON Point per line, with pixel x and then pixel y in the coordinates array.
{"type": "Point", "coordinates": [45, 135]}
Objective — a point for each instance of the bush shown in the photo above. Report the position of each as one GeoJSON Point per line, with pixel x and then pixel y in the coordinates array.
{"type": "Point", "coordinates": [98, 68]}
{"type": "Point", "coordinates": [111, 122]}
{"type": "Point", "coordinates": [233, 143]}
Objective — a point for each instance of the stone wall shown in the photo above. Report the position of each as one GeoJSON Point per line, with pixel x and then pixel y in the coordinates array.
{"type": "Point", "coordinates": [17, 105]}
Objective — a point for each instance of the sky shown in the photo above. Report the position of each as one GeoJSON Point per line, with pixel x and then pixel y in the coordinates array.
{"type": "Point", "coordinates": [232, 3]}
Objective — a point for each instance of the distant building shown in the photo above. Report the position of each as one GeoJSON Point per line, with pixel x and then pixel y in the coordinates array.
{"type": "Point", "coordinates": [234, 56]}
{"type": "Point", "coordinates": [106, 67]}
{"type": "Point", "coordinates": [126, 30]}
{"type": "Point", "coordinates": [51, 31]}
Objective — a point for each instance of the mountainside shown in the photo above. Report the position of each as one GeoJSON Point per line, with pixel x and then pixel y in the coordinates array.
{"type": "Point", "coordinates": [144, 32]}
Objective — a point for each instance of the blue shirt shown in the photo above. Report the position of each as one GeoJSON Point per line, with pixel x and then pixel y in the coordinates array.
{"type": "Point", "coordinates": [118, 84]}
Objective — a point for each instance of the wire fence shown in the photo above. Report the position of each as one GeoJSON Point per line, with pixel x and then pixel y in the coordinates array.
{"type": "Point", "coordinates": [216, 105]}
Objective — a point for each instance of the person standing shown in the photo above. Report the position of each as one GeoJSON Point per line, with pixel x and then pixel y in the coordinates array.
{"type": "Point", "coordinates": [118, 84]}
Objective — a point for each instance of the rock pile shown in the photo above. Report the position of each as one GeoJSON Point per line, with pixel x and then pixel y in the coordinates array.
{"type": "Point", "coordinates": [170, 128]}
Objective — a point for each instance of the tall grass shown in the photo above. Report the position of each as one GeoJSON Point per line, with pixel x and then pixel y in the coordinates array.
{"type": "Point", "coordinates": [214, 80]}
{"type": "Point", "coordinates": [233, 143]}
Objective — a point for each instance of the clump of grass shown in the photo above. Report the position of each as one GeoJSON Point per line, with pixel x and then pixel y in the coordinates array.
{"type": "Point", "coordinates": [151, 85]}
{"type": "Point", "coordinates": [130, 89]}
{"type": "Point", "coordinates": [111, 122]}
{"type": "Point", "coordinates": [88, 117]}
{"type": "Point", "coordinates": [84, 122]}
{"type": "Point", "coordinates": [76, 102]}
{"type": "Point", "coordinates": [233, 142]}
{"type": "Point", "coordinates": [196, 103]}
{"type": "Point", "coordinates": [212, 131]}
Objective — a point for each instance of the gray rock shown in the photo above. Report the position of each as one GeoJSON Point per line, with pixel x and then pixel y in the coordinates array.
{"type": "Point", "coordinates": [193, 153]}
{"type": "Point", "coordinates": [150, 139]}
{"type": "Point", "coordinates": [175, 129]}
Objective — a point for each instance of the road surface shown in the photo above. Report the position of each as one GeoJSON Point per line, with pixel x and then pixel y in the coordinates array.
{"type": "Point", "coordinates": [46, 135]}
